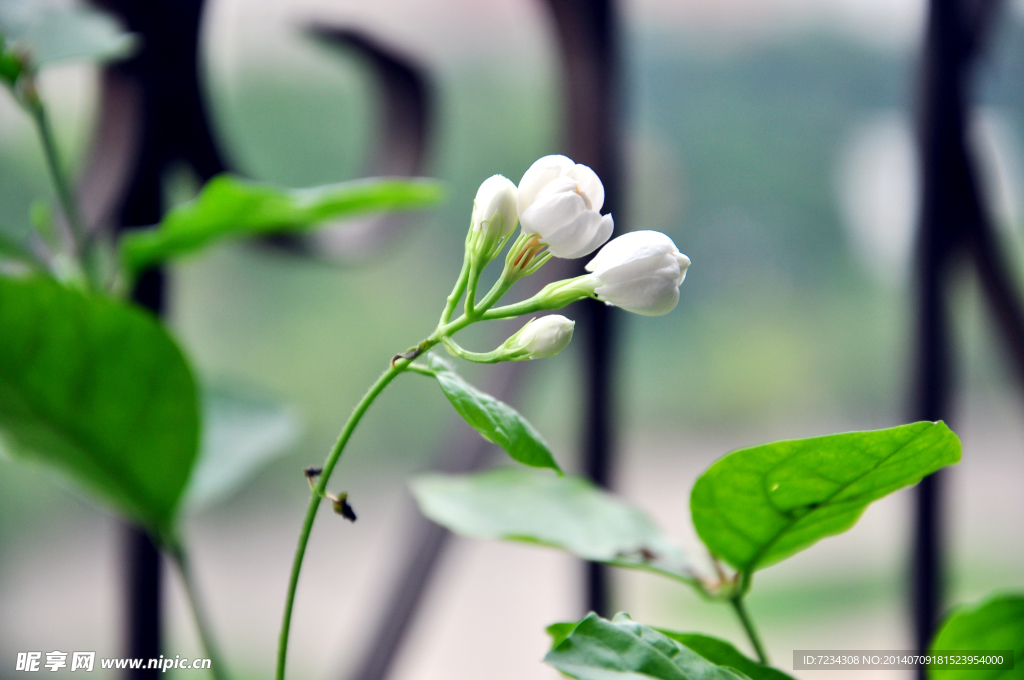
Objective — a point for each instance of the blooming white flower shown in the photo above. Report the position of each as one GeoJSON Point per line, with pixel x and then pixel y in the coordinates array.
{"type": "Point", "coordinates": [540, 338]}
{"type": "Point", "coordinates": [494, 215]}
{"type": "Point", "coordinates": [560, 201]}
{"type": "Point", "coordinates": [639, 271]}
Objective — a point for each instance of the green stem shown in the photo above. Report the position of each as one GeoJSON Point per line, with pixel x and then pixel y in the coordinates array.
{"type": "Point", "coordinates": [553, 296]}
{"type": "Point", "coordinates": [314, 501]}
{"type": "Point", "coordinates": [500, 287]}
{"type": "Point", "coordinates": [748, 626]}
{"type": "Point", "coordinates": [457, 291]}
{"type": "Point", "coordinates": [474, 281]}
{"type": "Point", "coordinates": [518, 309]}
{"type": "Point", "coordinates": [64, 193]}
{"type": "Point", "coordinates": [422, 370]}
{"type": "Point", "coordinates": [177, 553]}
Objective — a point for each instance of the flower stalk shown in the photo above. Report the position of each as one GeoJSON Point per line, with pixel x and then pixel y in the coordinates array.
{"type": "Point", "coordinates": [557, 204]}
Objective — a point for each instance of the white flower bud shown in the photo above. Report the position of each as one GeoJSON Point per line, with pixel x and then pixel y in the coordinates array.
{"type": "Point", "coordinates": [494, 215]}
{"type": "Point", "coordinates": [640, 271]}
{"type": "Point", "coordinates": [560, 201]}
{"type": "Point", "coordinates": [541, 338]}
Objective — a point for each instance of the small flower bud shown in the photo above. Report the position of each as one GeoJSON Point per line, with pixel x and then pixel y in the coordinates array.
{"type": "Point", "coordinates": [494, 217]}
{"type": "Point", "coordinates": [540, 338]}
{"type": "Point", "coordinates": [640, 271]}
{"type": "Point", "coordinates": [560, 201]}
{"type": "Point", "coordinates": [12, 64]}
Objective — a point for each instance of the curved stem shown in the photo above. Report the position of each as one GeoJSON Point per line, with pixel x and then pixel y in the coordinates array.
{"type": "Point", "coordinates": [314, 502]}
{"type": "Point", "coordinates": [748, 626]}
{"type": "Point", "coordinates": [482, 357]}
{"type": "Point", "coordinates": [177, 553]}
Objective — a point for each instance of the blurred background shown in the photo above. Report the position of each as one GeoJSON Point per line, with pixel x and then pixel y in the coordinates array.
{"type": "Point", "coordinates": [773, 140]}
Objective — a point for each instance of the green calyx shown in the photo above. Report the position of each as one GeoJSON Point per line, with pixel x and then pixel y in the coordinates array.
{"type": "Point", "coordinates": [11, 64]}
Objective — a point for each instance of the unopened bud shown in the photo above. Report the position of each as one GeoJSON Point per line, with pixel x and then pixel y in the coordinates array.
{"type": "Point", "coordinates": [494, 218]}
{"type": "Point", "coordinates": [640, 272]}
{"type": "Point", "coordinates": [540, 338]}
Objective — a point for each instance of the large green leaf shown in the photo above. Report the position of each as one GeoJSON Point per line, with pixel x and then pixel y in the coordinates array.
{"type": "Point", "coordinates": [230, 207]}
{"type": "Point", "coordinates": [74, 33]}
{"type": "Point", "coordinates": [100, 390]}
{"type": "Point", "coordinates": [495, 420]}
{"type": "Point", "coordinates": [724, 654]}
{"type": "Point", "coordinates": [242, 432]}
{"type": "Point", "coordinates": [994, 624]}
{"type": "Point", "coordinates": [621, 649]}
{"type": "Point", "coordinates": [534, 506]}
{"type": "Point", "coordinates": [757, 506]}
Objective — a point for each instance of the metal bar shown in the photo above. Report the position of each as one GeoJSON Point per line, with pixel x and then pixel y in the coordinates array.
{"type": "Point", "coordinates": [590, 53]}
{"type": "Point", "coordinates": [151, 115]}
{"type": "Point", "coordinates": [953, 218]}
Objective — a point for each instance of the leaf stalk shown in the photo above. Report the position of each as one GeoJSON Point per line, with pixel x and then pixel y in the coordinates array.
{"type": "Point", "coordinates": [748, 626]}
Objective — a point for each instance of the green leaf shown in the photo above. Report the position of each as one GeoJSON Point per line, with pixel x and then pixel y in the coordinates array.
{"type": "Point", "coordinates": [621, 649]}
{"type": "Point", "coordinates": [101, 391]}
{"type": "Point", "coordinates": [496, 421]}
{"type": "Point", "coordinates": [229, 207]}
{"type": "Point", "coordinates": [724, 654]}
{"type": "Point", "coordinates": [242, 432]}
{"type": "Point", "coordinates": [570, 513]}
{"type": "Point", "coordinates": [757, 506]}
{"type": "Point", "coordinates": [993, 624]}
{"type": "Point", "coordinates": [76, 33]}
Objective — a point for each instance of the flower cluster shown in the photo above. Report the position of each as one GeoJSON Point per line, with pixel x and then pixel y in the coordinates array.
{"type": "Point", "coordinates": [558, 208]}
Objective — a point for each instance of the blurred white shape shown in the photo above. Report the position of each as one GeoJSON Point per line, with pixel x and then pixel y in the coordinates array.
{"type": "Point", "coordinates": [879, 184]}
{"type": "Point", "coordinates": [997, 150]}
{"type": "Point", "coordinates": [878, 193]}
{"type": "Point", "coordinates": [884, 24]}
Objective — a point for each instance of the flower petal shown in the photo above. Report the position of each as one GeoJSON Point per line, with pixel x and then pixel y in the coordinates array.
{"type": "Point", "coordinates": [634, 245]}
{"type": "Point", "coordinates": [543, 171]}
{"type": "Point", "coordinates": [589, 185]}
{"type": "Point", "coordinates": [596, 234]}
{"type": "Point", "coordinates": [647, 295]}
{"type": "Point", "coordinates": [552, 213]}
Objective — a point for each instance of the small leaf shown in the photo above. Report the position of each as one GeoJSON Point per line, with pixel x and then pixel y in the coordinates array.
{"type": "Point", "coordinates": [496, 421]}
{"type": "Point", "coordinates": [228, 207]}
{"type": "Point", "coordinates": [101, 391]}
{"type": "Point", "coordinates": [724, 654]}
{"type": "Point", "coordinates": [621, 649]}
{"type": "Point", "coordinates": [242, 432]}
{"type": "Point", "coordinates": [559, 631]}
{"type": "Point", "coordinates": [76, 33]}
{"type": "Point", "coordinates": [569, 513]}
{"type": "Point", "coordinates": [993, 624]}
{"type": "Point", "coordinates": [757, 506]}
